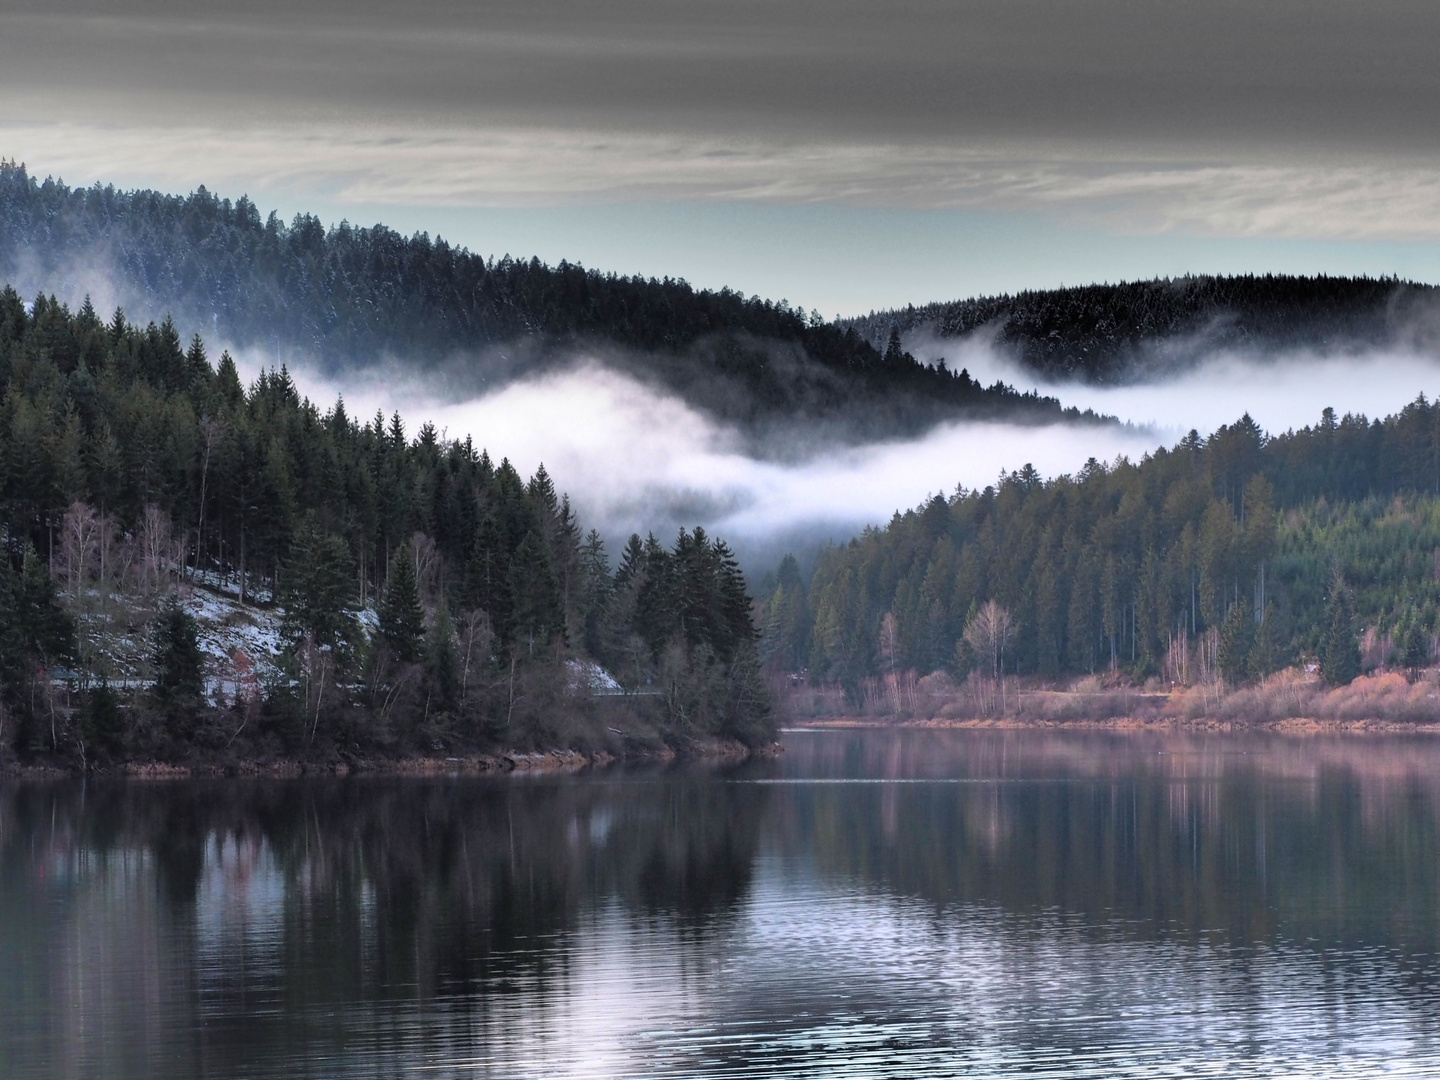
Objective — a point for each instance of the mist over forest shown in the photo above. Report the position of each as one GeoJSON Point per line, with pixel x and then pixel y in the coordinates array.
{"type": "Point", "coordinates": [349, 299]}
{"type": "Point", "coordinates": [1200, 478]}
{"type": "Point", "coordinates": [660, 406]}
{"type": "Point", "coordinates": [1151, 329]}
{"type": "Point", "coordinates": [719, 539]}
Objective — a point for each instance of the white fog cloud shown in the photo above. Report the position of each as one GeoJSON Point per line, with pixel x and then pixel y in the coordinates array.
{"type": "Point", "coordinates": [634, 458]}
{"type": "Point", "coordinates": [1280, 391]}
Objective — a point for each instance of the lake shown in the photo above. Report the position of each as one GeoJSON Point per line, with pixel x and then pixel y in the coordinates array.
{"type": "Point", "coordinates": [872, 903]}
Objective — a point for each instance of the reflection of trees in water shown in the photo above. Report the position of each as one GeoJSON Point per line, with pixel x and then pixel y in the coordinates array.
{"type": "Point", "coordinates": [1330, 839]}
{"type": "Point", "coordinates": [517, 858]}
{"type": "Point", "coordinates": [698, 856]}
{"type": "Point", "coordinates": [377, 889]}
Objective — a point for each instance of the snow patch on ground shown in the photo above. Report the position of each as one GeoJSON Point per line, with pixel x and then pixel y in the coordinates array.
{"type": "Point", "coordinates": [227, 627]}
{"type": "Point", "coordinates": [369, 621]}
{"type": "Point", "coordinates": [592, 677]}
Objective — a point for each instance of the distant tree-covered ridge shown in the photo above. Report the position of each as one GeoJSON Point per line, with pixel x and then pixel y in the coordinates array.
{"type": "Point", "coordinates": [350, 295]}
{"type": "Point", "coordinates": [431, 597]}
{"type": "Point", "coordinates": [1235, 555]}
{"type": "Point", "coordinates": [1106, 332]}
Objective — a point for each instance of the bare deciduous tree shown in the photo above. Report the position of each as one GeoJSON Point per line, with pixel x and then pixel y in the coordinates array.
{"type": "Point", "coordinates": [79, 549]}
{"type": "Point", "coordinates": [476, 641]}
{"type": "Point", "coordinates": [427, 569]}
{"type": "Point", "coordinates": [988, 633]}
{"type": "Point", "coordinates": [85, 565]}
{"type": "Point", "coordinates": [156, 552]}
{"type": "Point", "coordinates": [210, 431]}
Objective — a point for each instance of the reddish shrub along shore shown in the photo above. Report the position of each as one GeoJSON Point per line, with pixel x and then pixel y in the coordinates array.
{"type": "Point", "coordinates": [1379, 701]}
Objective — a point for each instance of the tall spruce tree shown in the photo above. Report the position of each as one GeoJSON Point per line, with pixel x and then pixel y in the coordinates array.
{"type": "Point", "coordinates": [1340, 651]}
{"type": "Point", "coordinates": [1415, 644]}
{"type": "Point", "coordinates": [1237, 638]}
{"type": "Point", "coordinates": [536, 611]}
{"type": "Point", "coordinates": [1266, 654]}
{"type": "Point", "coordinates": [402, 620]}
{"type": "Point", "coordinates": [318, 588]}
{"type": "Point", "coordinates": [179, 687]}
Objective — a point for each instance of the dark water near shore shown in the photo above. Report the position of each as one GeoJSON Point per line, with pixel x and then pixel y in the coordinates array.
{"type": "Point", "coordinates": [872, 904]}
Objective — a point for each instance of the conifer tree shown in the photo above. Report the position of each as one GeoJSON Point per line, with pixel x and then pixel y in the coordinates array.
{"type": "Point", "coordinates": [1237, 636]}
{"type": "Point", "coordinates": [179, 685]}
{"type": "Point", "coordinates": [102, 724]}
{"type": "Point", "coordinates": [1266, 653]}
{"type": "Point", "coordinates": [47, 633]}
{"type": "Point", "coordinates": [402, 621]}
{"type": "Point", "coordinates": [229, 393]}
{"type": "Point", "coordinates": [318, 588]}
{"type": "Point", "coordinates": [1415, 645]}
{"type": "Point", "coordinates": [35, 634]}
{"type": "Point", "coordinates": [197, 364]}
{"type": "Point", "coordinates": [594, 591]}
{"type": "Point", "coordinates": [1340, 651]}
{"type": "Point", "coordinates": [534, 595]}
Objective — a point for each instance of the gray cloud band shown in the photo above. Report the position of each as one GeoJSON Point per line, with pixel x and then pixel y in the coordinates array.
{"type": "Point", "coordinates": [1297, 73]}
{"type": "Point", "coordinates": [1286, 119]}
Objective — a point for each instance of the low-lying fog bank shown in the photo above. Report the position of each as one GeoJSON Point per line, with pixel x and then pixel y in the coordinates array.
{"type": "Point", "coordinates": [1280, 391]}
{"type": "Point", "coordinates": [635, 458]}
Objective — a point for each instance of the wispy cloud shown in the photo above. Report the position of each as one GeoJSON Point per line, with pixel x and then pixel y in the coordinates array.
{"type": "Point", "coordinates": [435, 166]}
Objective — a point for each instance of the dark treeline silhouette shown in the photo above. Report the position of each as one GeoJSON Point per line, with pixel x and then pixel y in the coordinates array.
{"type": "Point", "coordinates": [131, 465]}
{"type": "Point", "coordinates": [1234, 555]}
{"type": "Point", "coordinates": [349, 296]}
{"type": "Point", "coordinates": [1105, 332]}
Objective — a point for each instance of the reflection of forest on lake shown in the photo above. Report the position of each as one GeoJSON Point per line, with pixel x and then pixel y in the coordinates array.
{"type": "Point", "coordinates": [927, 891]}
{"type": "Point", "coordinates": [1327, 838]}
{"type": "Point", "coordinates": [248, 905]}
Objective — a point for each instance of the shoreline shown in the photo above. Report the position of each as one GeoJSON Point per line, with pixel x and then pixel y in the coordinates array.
{"type": "Point", "coordinates": [1286, 726]}
{"type": "Point", "coordinates": [495, 763]}
{"type": "Point", "coordinates": [1291, 701]}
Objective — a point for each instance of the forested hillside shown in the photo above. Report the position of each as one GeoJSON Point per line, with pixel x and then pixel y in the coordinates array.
{"type": "Point", "coordinates": [1242, 551]}
{"type": "Point", "coordinates": [349, 296]}
{"type": "Point", "coordinates": [1108, 332]}
{"type": "Point", "coordinates": [429, 596]}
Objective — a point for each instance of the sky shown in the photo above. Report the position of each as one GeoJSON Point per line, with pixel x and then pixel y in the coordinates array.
{"type": "Point", "coordinates": [845, 156]}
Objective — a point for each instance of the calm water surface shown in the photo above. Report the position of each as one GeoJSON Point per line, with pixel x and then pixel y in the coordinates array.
{"type": "Point", "coordinates": [873, 904]}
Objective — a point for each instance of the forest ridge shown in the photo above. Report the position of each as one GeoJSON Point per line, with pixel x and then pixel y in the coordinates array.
{"type": "Point", "coordinates": [1111, 332]}
{"type": "Point", "coordinates": [351, 296]}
